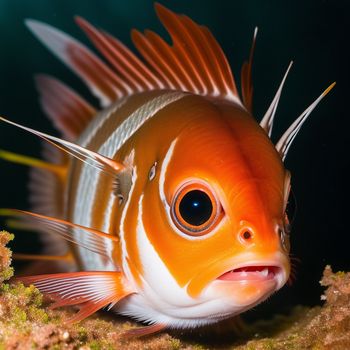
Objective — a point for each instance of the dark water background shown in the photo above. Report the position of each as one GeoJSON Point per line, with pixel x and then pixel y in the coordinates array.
{"type": "Point", "coordinates": [312, 33]}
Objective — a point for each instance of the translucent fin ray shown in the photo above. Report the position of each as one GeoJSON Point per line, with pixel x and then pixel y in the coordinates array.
{"type": "Point", "coordinates": [287, 138]}
{"type": "Point", "coordinates": [91, 291]}
{"type": "Point", "coordinates": [211, 75]}
{"type": "Point", "coordinates": [101, 80]}
{"type": "Point", "coordinates": [246, 76]}
{"type": "Point", "coordinates": [69, 112]}
{"type": "Point", "coordinates": [139, 77]}
{"type": "Point", "coordinates": [267, 121]}
{"type": "Point", "coordinates": [91, 239]}
{"type": "Point", "coordinates": [144, 74]}
{"type": "Point", "coordinates": [194, 62]}
{"type": "Point", "coordinates": [94, 159]}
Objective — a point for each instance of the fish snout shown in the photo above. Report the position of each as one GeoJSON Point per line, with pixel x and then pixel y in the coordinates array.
{"type": "Point", "coordinates": [249, 282]}
{"type": "Point", "coordinates": [260, 270]}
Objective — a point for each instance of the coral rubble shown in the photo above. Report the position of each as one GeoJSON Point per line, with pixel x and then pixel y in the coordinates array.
{"type": "Point", "coordinates": [326, 327]}
{"type": "Point", "coordinates": [26, 322]}
{"type": "Point", "coordinates": [6, 271]}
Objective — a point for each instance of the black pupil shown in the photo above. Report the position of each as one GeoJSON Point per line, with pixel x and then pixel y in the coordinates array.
{"type": "Point", "coordinates": [196, 207]}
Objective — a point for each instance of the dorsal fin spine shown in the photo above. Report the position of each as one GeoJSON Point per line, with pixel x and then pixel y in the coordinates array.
{"type": "Point", "coordinates": [168, 18]}
{"type": "Point", "coordinates": [287, 138]}
{"type": "Point", "coordinates": [103, 45]}
{"type": "Point", "coordinates": [194, 32]}
{"type": "Point", "coordinates": [209, 57]}
{"type": "Point", "coordinates": [148, 52]}
{"type": "Point", "coordinates": [193, 63]}
{"type": "Point", "coordinates": [196, 56]}
{"type": "Point", "coordinates": [168, 59]}
{"type": "Point", "coordinates": [246, 76]}
{"type": "Point", "coordinates": [267, 121]}
{"type": "Point", "coordinates": [150, 80]}
{"type": "Point", "coordinates": [81, 60]}
{"type": "Point", "coordinates": [225, 68]}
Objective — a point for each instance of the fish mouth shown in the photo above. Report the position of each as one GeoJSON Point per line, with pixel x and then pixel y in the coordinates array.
{"type": "Point", "coordinates": [252, 273]}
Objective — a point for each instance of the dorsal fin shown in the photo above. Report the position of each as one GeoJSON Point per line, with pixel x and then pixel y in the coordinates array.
{"type": "Point", "coordinates": [100, 79]}
{"type": "Point", "coordinates": [69, 112]}
{"type": "Point", "coordinates": [287, 138]}
{"type": "Point", "coordinates": [267, 121]}
{"type": "Point", "coordinates": [194, 62]}
{"type": "Point", "coordinates": [246, 76]}
{"type": "Point", "coordinates": [129, 66]}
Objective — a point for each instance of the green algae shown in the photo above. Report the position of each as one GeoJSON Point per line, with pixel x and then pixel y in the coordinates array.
{"type": "Point", "coordinates": [175, 344]}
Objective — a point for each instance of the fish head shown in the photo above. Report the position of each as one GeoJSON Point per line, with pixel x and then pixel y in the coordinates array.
{"type": "Point", "coordinates": [214, 219]}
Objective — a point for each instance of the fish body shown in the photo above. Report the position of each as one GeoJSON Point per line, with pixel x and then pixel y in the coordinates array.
{"type": "Point", "coordinates": [157, 256]}
{"type": "Point", "coordinates": [172, 196]}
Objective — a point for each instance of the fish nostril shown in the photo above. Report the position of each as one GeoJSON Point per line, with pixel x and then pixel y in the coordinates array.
{"type": "Point", "coordinates": [246, 235]}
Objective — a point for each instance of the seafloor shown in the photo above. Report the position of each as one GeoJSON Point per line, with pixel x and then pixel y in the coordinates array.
{"type": "Point", "coordinates": [27, 323]}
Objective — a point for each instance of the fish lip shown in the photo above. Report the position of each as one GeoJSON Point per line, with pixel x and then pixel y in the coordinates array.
{"type": "Point", "coordinates": [255, 271]}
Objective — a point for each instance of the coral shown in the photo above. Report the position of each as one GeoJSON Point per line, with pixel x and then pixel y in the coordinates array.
{"type": "Point", "coordinates": [6, 271]}
{"type": "Point", "coordinates": [326, 327]}
{"type": "Point", "coordinates": [26, 322]}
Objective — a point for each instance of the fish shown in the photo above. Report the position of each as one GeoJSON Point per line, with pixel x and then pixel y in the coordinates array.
{"type": "Point", "coordinates": [167, 201]}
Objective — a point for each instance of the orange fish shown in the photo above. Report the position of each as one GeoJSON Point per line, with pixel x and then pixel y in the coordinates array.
{"type": "Point", "coordinates": [171, 196]}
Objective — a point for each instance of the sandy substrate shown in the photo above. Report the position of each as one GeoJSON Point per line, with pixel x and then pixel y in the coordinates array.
{"type": "Point", "coordinates": [27, 323]}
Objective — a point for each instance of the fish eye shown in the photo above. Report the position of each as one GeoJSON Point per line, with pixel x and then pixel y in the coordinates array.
{"type": "Point", "coordinates": [195, 209]}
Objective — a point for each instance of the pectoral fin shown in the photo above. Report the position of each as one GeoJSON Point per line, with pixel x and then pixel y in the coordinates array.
{"type": "Point", "coordinates": [91, 239]}
{"type": "Point", "coordinates": [91, 290]}
{"type": "Point", "coordinates": [96, 160]}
